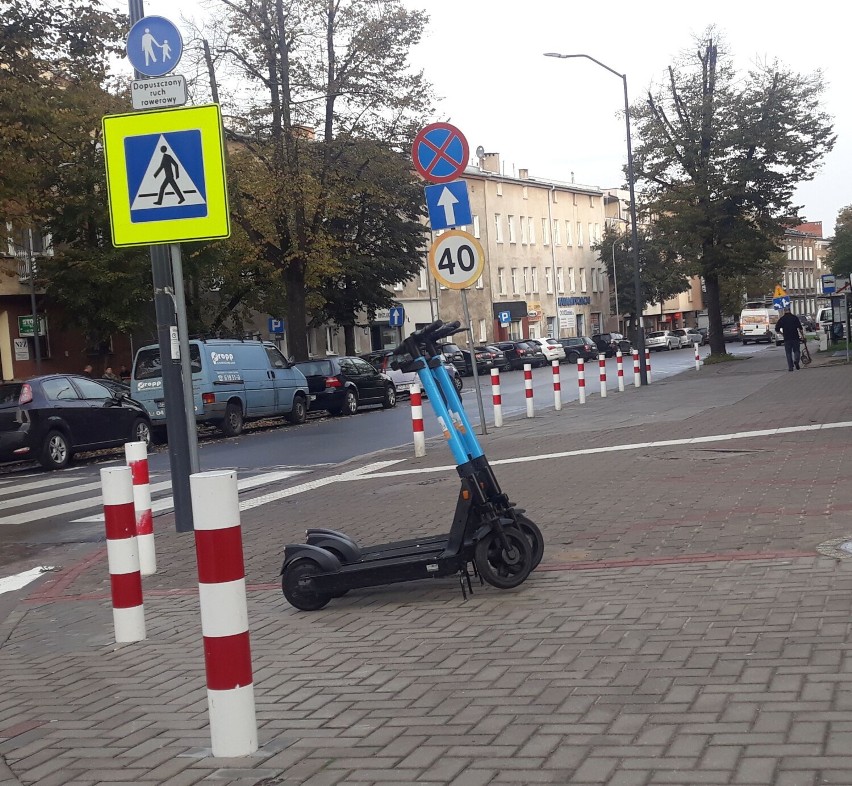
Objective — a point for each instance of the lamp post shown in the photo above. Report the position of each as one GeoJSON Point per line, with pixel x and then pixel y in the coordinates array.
{"type": "Point", "coordinates": [640, 333]}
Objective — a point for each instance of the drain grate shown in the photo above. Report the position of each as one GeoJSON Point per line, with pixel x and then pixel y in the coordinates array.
{"type": "Point", "coordinates": [839, 548]}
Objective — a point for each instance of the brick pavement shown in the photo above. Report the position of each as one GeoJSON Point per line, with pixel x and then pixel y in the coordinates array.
{"type": "Point", "coordinates": [681, 629]}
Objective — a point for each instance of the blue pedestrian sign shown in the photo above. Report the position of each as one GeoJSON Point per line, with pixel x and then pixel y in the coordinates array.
{"type": "Point", "coordinates": [396, 317]}
{"type": "Point", "coordinates": [154, 46]}
{"type": "Point", "coordinates": [165, 176]}
{"type": "Point", "coordinates": [276, 325]}
{"type": "Point", "coordinates": [505, 317]}
{"type": "Point", "coordinates": [780, 303]}
{"type": "Point", "coordinates": [448, 205]}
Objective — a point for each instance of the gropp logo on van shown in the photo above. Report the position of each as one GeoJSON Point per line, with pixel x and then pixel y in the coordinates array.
{"type": "Point", "coordinates": [222, 358]}
{"type": "Point", "coordinates": [148, 385]}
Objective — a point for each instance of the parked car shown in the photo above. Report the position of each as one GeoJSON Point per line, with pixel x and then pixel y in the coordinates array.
{"type": "Point", "coordinates": [381, 361]}
{"type": "Point", "coordinates": [551, 348]}
{"type": "Point", "coordinates": [52, 417]}
{"type": "Point", "coordinates": [453, 353]}
{"type": "Point", "coordinates": [705, 335]}
{"type": "Point", "coordinates": [610, 343]}
{"type": "Point", "coordinates": [538, 354]}
{"type": "Point", "coordinates": [342, 384]}
{"type": "Point", "coordinates": [232, 381]}
{"type": "Point", "coordinates": [518, 353]}
{"type": "Point", "coordinates": [731, 331]}
{"type": "Point", "coordinates": [578, 347]}
{"type": "Point", "coordinates": [483, 361]}
{"type": "Point", "coordinates": [688, 337]}
{"type": "Point", "coordinates": [662, 339]}
{"type": "Point", "coordinates": [498, 358]}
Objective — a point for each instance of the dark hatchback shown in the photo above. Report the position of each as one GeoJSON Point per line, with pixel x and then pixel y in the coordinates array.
{"type": "Point", "coordinates": [519, 352]}
{"type": "Point", "coordinates": [342, 384]}
{"type": "Point", "coordinates": [49, 418]}
{"type": "Point", "coordinates": [579, 347]}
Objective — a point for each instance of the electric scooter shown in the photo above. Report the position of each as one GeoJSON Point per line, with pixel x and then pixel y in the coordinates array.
{"type": "Point", "coordinates": [487, 530]}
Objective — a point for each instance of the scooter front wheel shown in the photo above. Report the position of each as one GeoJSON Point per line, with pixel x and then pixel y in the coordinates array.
{"type": "Point", "coordinates": [533, 535]}
{"type": "Point", "coordinates": [500, 567]}
{"type": "Point", "coordinates": [300, 592]}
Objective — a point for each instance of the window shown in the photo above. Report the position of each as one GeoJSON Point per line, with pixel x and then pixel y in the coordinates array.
{"type": "Point", "coordinates": [499, 189]}
{"type": "Point", "coordinates": [329, 340]}
{"type": "Point", "coordinates": [58, 389]}
{"type": "Point", "coordinates": [555, 232]}
{"type": "Point", "coordinates": [480, 282]}
{"type": "Point", "coordinates": [555, 197]}
{"type": "Point", "coordinates": [512, 237]}
{"type": "Point", "coordinates": [569, 239]}
{"type": "Point", "coordinates": [515, 289]}
{"type": "Point", "coordinates": [535, 280]}
{"type": "Point", "coordinates": [421, 284]}
{"type": "Point", "coordinates": [93, 390]}
{"type": "Point", "coordinates": [498, 227]}
{"type": "Point", "coordinates": [501, 280]}
{"type": "Point", "coordinates": [591, 234]}
{"type": "Point", "coordinates": [560, 284]}
{"type": "Point", "coordinates": [579, 234]}
{"type": "Point", "coordinates": [526, 280]}
{"type": "Point", "coordinates": [548, 280]}
{"type": "Point", "coordinates": [276, 359]}
{"type": "Point", "coordinates": [531, 228]}
{"type": "Point", "coordinates": [571, 282]}
{"type": "Point", "coordinates": [545, 234]}
{"type": "Point", "coordinates": [594, 279]}
{"type": "Point", "coordinates": [525, 194]}
{"type": "Point", "coordinates": [583, 279]}
{"type": "Point", "coordinates": [483, 334]}
{"type": "Point", "coordinates": [476, 227]}
{"type": "Point", "coordinates": [398, 286]}
{"type": "Point", "coordinates": [597, 233]}
{"type": "Point", "coordinates": [523, 230]}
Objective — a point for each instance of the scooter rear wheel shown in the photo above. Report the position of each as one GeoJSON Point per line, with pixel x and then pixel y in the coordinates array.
{"type": "Point", "coordinates": [501, 568]}
{"type": "Point", "coordinates": [533, 535]}
{"type": "Point", "coordinates": [305, 598]}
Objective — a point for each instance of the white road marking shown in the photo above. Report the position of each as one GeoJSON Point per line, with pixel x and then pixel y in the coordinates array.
{"type": "Point", "coordinates": [20, 580]}
{"type": "Point", "coordinates": [14, 487]}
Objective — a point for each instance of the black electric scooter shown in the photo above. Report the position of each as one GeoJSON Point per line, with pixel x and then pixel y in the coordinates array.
{"type": "Point", "coordinates": [487, 529]}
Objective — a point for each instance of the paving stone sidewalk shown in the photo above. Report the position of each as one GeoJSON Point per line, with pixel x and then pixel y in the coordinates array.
{"type": "Point", "coordinates": [682, 628]}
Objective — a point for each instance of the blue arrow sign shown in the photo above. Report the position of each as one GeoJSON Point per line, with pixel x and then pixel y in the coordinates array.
{"type": "Point", "coordinates": [780, 303]}
{"type": "Point", "coordinates": [397, 316]}
{"type": "Point", "coordinates": [154, 46]}
{"type": "Point", "coordinates": [276, 325]}
{"type": "Point", "coordinates": [448, 204]}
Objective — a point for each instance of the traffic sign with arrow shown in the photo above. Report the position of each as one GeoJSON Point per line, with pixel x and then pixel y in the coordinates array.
{"type": "Point", "coordinates": [448, 205]}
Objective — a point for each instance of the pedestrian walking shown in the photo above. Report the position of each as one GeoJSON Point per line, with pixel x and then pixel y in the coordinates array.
{"type": "Point", "coordinates": [87, 371]}
{"type": "Point", "coordinates": [791, 329]}
{"type": "Point", "coordinates": [111, 375]}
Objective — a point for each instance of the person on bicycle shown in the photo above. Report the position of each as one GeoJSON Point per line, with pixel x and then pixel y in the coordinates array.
{"type": "Point", "coordinates": [791, 328]}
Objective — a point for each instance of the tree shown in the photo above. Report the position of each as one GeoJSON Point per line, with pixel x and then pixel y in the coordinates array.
{"type": "Point", "coordinates": [322, 75]}
{"type": "Point", "coordinates": [720, 154]}
{"type": "Point", "coordinates": [662, 273]}
{"type": "Point", "coordinates": [839, 257]}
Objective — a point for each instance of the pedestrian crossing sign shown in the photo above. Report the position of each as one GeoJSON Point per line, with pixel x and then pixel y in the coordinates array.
{"type": "Point", "coordinates": [166, 176]}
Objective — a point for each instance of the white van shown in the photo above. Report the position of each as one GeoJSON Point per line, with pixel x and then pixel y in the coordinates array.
{"type": "Point", "coordinates": [758, 324]}
{"type": "Point", "coordinates": [824, 318]}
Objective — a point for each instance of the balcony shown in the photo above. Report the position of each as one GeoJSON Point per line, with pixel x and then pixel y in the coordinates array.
{"type": "Point", "coordinates": [26, 268]}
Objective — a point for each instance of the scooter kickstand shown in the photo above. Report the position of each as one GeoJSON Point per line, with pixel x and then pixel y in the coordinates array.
{"type": "Point", "coordinates": [463, 588]}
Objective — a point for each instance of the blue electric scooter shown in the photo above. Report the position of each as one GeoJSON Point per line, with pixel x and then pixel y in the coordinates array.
{"type": "Point", "coordinates": [487, 531]}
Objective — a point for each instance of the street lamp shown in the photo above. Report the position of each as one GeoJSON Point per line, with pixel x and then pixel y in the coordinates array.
{"type": "Point", "coordinates": [615, 272]}
{"type": "Point", "coordinates": [640, 333]}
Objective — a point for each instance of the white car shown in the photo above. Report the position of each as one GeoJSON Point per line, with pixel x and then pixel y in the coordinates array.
{"type": "Point", "coordinates": [662, 339]}
{"type": "Point", "coordinates": [689, 336]}
{"type": "Point", "coordinates": [550, 348]}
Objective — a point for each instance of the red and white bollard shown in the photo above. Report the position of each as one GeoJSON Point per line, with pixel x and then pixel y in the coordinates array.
{"type": "Point", "coordinates": [136, 455]}
{"type": "Point", "coordinates": [224, 615]}
{"type": "Point", "coordinates": [417, 420]}
{"type": "Point", "coordinates": [496, 398]}
{"type": "Point", "coordinates": [602, 367]}
{"type": "Point", "coordinates": [648, 365]}
{"type": "Point", "coordinates": [581, 380]}
{"type": "Point", "coordinates": [557, 385]}
{"type": "Point", "coordinates": [619, 363]}
{"type": "Point", "coordinates": [697, 358]}
{"type": "Point", "coordinates": [637, 376]}
{"type": "Point", "coordinates": [528, 390]}
{"type": "Point", "coordinates": [128, 613]}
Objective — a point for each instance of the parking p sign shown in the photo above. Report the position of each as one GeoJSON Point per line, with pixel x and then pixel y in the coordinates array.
{"type": "Point", "coordinates": [505, 317]}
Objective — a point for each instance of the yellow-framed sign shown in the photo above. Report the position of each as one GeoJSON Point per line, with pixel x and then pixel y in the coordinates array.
{"type": "Point", "coordinates": [166, 176]}
{"type": "Point", "coordinates": [456, 259]}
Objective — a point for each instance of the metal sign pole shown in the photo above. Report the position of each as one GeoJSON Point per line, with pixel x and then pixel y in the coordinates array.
{"type": "Point", "coordinates": [176, 422]}
{"type": "Point", "coordinates": [36, 325]}
{"type": "Point", "coordinates": [482, 427]}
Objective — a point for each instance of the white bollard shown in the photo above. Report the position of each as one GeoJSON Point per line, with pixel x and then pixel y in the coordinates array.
{"type": "Point", "coordinates": [557, 386]}
{"type": "Point", "coordinates": [128, 613]}
{"type": "Point", "coordinates": [648, 364]}
{"type": "Point", "coordinates": [528, 390]}
{"type": "Point", "coordinates": [581, 380]}
{"type": "Point", "coordinates": [619, 362]}
{"type": "Point", "coordinates": [697, 358]}
{"type": "Point", "coordinates": [224, 613]}
{"type": "Point", "coordinates": [637, 373]}
{"type": "Point", "coordinates": [417, 421]}
{"type": "Point", "coordinates": [602, 368]}
{"type": "Point", "coordinates": [496, 399]}
{"type": "Point", "coordinates": [136, 456]}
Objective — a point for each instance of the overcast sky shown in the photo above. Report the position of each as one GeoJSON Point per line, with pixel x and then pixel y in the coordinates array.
{"type": "Point", "coordinates": [558, 117]}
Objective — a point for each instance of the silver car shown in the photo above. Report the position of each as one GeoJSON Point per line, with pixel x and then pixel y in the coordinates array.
{"type": "Point", "coordinates": [689, 336]}
{"type": "Point", "coordinates": [662, 340]}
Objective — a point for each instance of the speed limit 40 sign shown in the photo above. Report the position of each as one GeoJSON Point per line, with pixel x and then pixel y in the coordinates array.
{"type": "Point", "coordinates": [456, 259]}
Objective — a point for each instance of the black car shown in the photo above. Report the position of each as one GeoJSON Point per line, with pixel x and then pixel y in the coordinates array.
{"type": "Point", "coordinates": [498, 358]}
{"type": "Point", "coordinates": [579, 347]}
{"type": "Point", "coordinates": [483, 361]}
{"type": "Point", "coordinates": [519, 352]}
{"type": "Point", "coordinates": [342, 384]}
{"type": "Point", "coordinates": [610, 343]}
{"type": "Point", "coordinates": [52, 417]}
{"type": "Point", "coordinates": [454, 354]}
